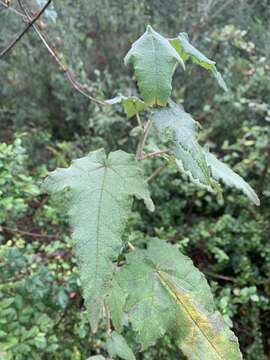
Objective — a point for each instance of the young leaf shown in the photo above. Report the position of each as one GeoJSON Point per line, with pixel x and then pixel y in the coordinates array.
{"type": "Point", "coordinates": [117, 346]}
{"type": "Point", "coordinates": [131, 105]}
{"type": "Point", "coordinates": [154, 61]}
{"type": "Point", "coordinates": [181, 129]}
{"type": "Point", "coordinates": [167, 293]}
{"type": "Point", "coordinates": [101, 190]}
{"type": "Point", "coordinates": [221, 171]}
{"type": "Point", "coordinates": [186, 50]}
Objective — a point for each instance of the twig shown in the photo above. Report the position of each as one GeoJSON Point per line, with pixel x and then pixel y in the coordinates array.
{"type": "Point", "coordinates": [143, 139]}
{"type": "Point", "coordinates": [153, 154]}
{"type": "Point", "coordinates": [138, 119]}
{"type": "Point", "coordinates": [29, 233]}
{"type": "Point", "coordinates": [15, 11]}
{"type": "Point", "coordinates": [205, 18]}
{"type": "Point", "coordinates": [217, 276]}
{"type": "Point", "coordinates": [75, 84]}
{"type": "Point", "coordinates": [157, 172]}
{"type": "Point", "coordinates": [31, 23]}
{"type": "Point", "coordinates": [221, 8]}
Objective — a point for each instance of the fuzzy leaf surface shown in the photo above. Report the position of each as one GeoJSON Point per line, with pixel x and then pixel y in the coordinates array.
{"type": "Point", "coordinates": [101, 190]}
{"type": "Point", "coordinates": [221, 171]}
{"type": "Point", "coordinates": [154, 61]}
{"type": "Point", "coordinates": [117, 346]}
{"type": "Point", "coordinates": [180, 128]}
{"type": "Point", "coordinates": [186, 50]}
{"type": "Point", "coordinates": [167, 293]}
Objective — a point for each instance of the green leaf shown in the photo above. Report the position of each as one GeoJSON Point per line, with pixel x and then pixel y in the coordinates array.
{"type": "Point", "coordinates": [117, 346]}
{"type": "Point", "coordinates": [167, 293]}
{"type": "Point", "coordinates": [186, 50]}
{"type": "Point", "coordinates": [101, 190]}
{"type": "Point", "coordinates": [116, 299]}
{"type": "Point", "coordinates": [131, 105]}
{"type": "Point", "coordinates": [202, 168]}
{"type": "Point", "coordinates": [221, 171]}
{"type": "Point", "coordinates": [181, 131]}
{"type": "Point", "coordinates": [154, 61]}
{"type": "Point", "coordinates": [96, 357]}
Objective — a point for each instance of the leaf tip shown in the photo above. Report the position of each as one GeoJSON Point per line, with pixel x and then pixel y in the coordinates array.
{"type": "Point", "coordinates": [256, 200]}
{"type": "Point", "coordinates": [149, 29]}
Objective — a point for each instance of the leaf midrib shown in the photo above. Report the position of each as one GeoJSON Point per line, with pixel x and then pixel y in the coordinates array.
{"type": "Point", "coordinates": [156, 70]}
{"type": "Point", "coordinates": [170, 288]}
{"type": "Point", "coordinates": [98, 222]}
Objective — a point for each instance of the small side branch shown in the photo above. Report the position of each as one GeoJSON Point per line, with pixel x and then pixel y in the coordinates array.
{"type": "Point", "coordinates": [74, 83]}
{"type": "Point", "coordinates": [11, 9]}
{"type": "Point", "coordinates": [27, 233]}
{"type": "Point", "coordinates": [30, 24]}
{"type": "Point", "coordinates": [154, 154]}
{"type": "Point", "coordinates": [157, 172]}
{"type": "Point", "coordinates": [143, 138]}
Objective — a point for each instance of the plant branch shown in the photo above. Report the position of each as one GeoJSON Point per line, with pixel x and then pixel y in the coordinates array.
{"type": "Point", "coordinates": [157, 172]}
{"type": "Point", "coordinates": [217, 276]}
{"type": "Point", "coordinates": [221, 8]}
{"type": "Point", "coordinates": [30, 24]}
{"type": "Point", "coordinates": [15, 11]}
{"type": "Point", "coordinates": [205, 18]}
{"type": "Point", "coordinates": [143, 138]}
{"type": "Point", "coordinates": [154, 154]}
{"type": "Point", "coordinates": [139, 119]}
{"type": "Point", "coordinates": [74, 83]}
{"type": "Point", "coordinates": [29, 233]}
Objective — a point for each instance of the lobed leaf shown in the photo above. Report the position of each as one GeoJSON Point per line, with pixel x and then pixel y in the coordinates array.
{"type": "Point", "coordinates": [154, 61]}
{"type": "Point", "coordinates": [186, 50]}
{"type": "Point", "coordinates": [101, 190]}
{"type": "Point", "coordinates": [167, 293]}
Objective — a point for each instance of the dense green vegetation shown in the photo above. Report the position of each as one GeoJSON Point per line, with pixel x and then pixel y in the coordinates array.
{"type": "Point", "coordinates": [45, 123]}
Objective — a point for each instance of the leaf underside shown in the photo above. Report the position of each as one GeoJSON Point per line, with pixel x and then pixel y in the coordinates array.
{"type": "Point", "coordinates": [101, 190]}
{"type": "Point", "coordinates": [202, 168]}
{"type": "Point", "coordinates": [154, 61]}
{"type": "Point", "coordinates": [186, 50]}
{"type": "Point", "coordinates": [167, 293]}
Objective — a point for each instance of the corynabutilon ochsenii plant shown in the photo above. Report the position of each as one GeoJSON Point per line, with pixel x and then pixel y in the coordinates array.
{"type": "Point", "coordinates": [155, 290]}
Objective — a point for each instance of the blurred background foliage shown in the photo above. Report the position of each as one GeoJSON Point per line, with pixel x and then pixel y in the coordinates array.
{"type": "Point", "coordinates": [45, 123]}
